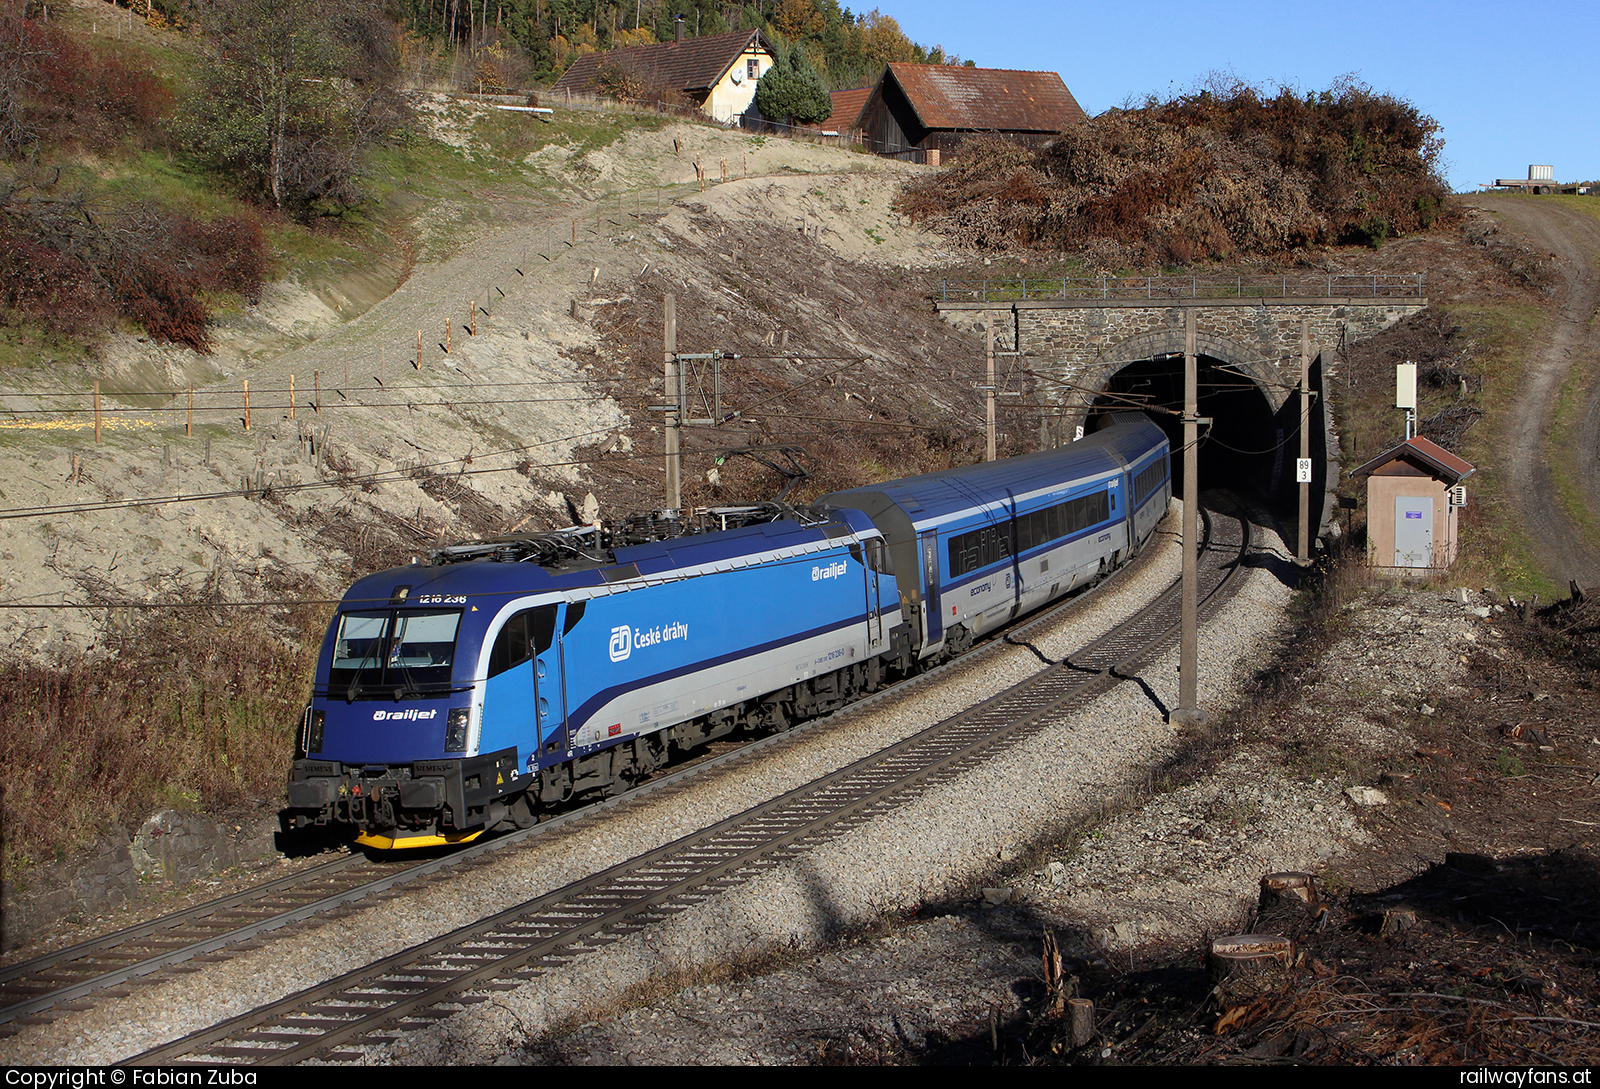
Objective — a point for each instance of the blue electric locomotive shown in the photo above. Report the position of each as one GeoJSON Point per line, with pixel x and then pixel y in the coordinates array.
{"type": "Point", "coordinates": [511, 675]}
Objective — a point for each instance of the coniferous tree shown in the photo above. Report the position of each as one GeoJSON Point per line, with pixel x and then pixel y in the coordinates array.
{"type": "Point", "coordinates": [791, 92]}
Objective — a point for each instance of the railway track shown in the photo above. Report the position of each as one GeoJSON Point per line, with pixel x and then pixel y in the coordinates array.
{"type": "Point", "coordinates": [71, 979]}
{"type": "Point", "coordinates": [419, 986]}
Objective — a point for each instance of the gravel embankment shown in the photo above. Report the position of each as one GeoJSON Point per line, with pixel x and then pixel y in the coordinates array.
{"type": "Point", "coordinates": [1182, 864]}
{"type": "Point", "coordinates": [932, 849]}
{"type": "Point", "coordinates": [151, 1015]}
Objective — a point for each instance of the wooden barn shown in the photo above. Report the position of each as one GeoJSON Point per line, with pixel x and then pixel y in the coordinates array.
{"type": "Point", "coordinates": [718, 73]}
{"type": "Point", "coordinates": [920, 111]}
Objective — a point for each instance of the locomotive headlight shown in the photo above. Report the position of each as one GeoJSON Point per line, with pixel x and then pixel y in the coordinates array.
{"type": "Point", "coordinates": [311, 736]}
{"type": "Point", "coordinates": [455, 729]}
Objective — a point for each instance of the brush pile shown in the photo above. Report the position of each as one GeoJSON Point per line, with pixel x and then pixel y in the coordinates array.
{"type": "Point", "coordinates": [1216, 174]}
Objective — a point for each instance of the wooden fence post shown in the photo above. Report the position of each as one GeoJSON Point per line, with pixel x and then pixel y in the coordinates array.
{"type": "Point", "coordinates": [291, 397]}
{"type": "Point", "coordinates": [97, 412]}
{"type": "Point", "coordinates": [316, 377]}
{"type": "Point", "coordinates": [247, 404]}
{"type": "Point", "coordinates": [188, 426]}
{"type": "Point", "coordinates": [419, 349]}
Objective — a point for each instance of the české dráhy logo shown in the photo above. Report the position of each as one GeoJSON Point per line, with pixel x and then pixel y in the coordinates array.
{"type": "Point", "coordinates": [621, 643]}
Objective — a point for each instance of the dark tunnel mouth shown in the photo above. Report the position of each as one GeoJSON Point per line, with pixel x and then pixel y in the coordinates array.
{"type": "Point", "coordinates": [1250, 448]}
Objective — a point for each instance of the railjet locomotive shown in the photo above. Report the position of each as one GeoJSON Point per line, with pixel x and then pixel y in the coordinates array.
{"type": "Point", "coordinates": [507, 676]}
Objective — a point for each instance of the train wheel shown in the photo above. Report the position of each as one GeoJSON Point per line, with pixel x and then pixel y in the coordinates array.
{"type": "Point", "coordinates": [522, 812]}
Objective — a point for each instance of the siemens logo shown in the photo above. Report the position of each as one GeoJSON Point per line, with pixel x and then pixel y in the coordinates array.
{"type": "Point", "coordinates": [834, 570]}
{"type": "Point", "coordinates": [407, 715]}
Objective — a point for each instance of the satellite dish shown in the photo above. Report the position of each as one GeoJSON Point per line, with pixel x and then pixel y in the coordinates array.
{"type": "Point", "coordinates": [738, 75]}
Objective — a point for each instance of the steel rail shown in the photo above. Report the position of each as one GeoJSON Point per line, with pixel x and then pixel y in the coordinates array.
{"type": "Point", "coordinates": [30, 989]}
{"type": "Point", "coordinates": [414, 987]}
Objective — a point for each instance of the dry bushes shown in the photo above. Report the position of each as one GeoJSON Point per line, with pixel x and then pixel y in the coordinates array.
{"type": "Point", "coordinates": [1204, 176]}
{"type": "Point", "coordinates": [69, 263]}
{"type": "Point", "coordinates": [630, 81]}
{"type": "Point", "coordinates": [70, 266]}
{"type": "Point", "coordinates": [55, 90]}
{"type": "Point", "coordinates": [195, 709]}
{"type": "Point", "coordinates": [1446, 366]}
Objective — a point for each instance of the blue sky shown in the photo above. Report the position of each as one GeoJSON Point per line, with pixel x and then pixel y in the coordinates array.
{"type": "Point", "coordinates": [1511, 84]}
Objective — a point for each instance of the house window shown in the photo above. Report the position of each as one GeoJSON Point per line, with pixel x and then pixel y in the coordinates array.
{"type": "Point", "coordinates": [752, 68]}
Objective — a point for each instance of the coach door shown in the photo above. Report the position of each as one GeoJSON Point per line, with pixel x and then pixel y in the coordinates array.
{"type": "Point", "coordinates": [565, 661]}
{"type": "Point", "coordinates": [549, 711]}
{"type": "Point", "coordinates": [930, 579]}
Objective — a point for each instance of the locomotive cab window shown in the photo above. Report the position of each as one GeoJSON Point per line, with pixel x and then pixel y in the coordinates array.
{"type": "Point", "coordinates": [394, 649]}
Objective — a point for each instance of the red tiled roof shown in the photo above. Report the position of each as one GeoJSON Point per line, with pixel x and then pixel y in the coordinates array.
{"type": "Point", "coordinates": [947, 96]}
{"type": "Point", "coordinates": [846, 113]}
{"type": "Point", "coordinates": [847, 108]}
{"type": "Point", "coordinates": [694, 64]}
{"type": "Point", "coordinates": [1434, 457]}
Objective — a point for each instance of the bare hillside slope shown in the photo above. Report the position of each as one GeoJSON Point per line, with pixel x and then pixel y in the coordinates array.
{"type": "Point", "coordinates": [384, 456]}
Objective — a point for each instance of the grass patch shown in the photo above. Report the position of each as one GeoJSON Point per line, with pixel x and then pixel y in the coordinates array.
{"type": "Point", "coordinates": [1587, 205]}
{"type": "Point", "coordinates": [1482, 346]}
{"type": "Point", "coordinates": [28, 346]}
{"type": "Point", "coordinates": [1493, 537]}
{"type": "Point", "coordinates": [1568, 415]}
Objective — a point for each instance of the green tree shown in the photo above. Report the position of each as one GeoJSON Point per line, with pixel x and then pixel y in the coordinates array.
{"type": "Point", "coordinates": [292, 93]}
{"type": "Point", "coordinates": [791, 92]}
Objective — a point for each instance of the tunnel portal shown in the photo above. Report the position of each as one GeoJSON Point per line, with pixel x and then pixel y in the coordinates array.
{"type": "Point", "coordinates": [1093, 344]}
{"type": "Point", "coordinates": [1253, 439]}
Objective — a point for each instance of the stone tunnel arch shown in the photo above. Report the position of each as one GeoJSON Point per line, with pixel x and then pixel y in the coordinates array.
{"type": "Point", "coordinates": [1253, 441]}
{"type": "Point", "coordinates": [1082, 338]}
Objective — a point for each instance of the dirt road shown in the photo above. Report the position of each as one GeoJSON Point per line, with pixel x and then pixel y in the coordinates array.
{"type": "Point", "coordinates": [1570, 339]}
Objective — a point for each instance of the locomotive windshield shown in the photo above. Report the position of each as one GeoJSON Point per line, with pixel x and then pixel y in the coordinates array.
{"type": "Point", "coordinates": [393, 654]}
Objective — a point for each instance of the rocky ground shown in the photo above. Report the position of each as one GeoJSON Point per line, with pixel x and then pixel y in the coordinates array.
{"type": "Point", "coordinates": [481, 438]}
{"type": "Point", "coordinates": [1416, 755]}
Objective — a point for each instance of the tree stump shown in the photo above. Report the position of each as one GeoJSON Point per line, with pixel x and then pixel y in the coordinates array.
{"type": "Point", "coordinates": [1398, 921]}
{"type": "Point", "coordinates": [1055, 978]}
{"type": "Point", "coordinates": [1287, 889]}
{"type": "Point", "coordinates": [1245, 965]}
